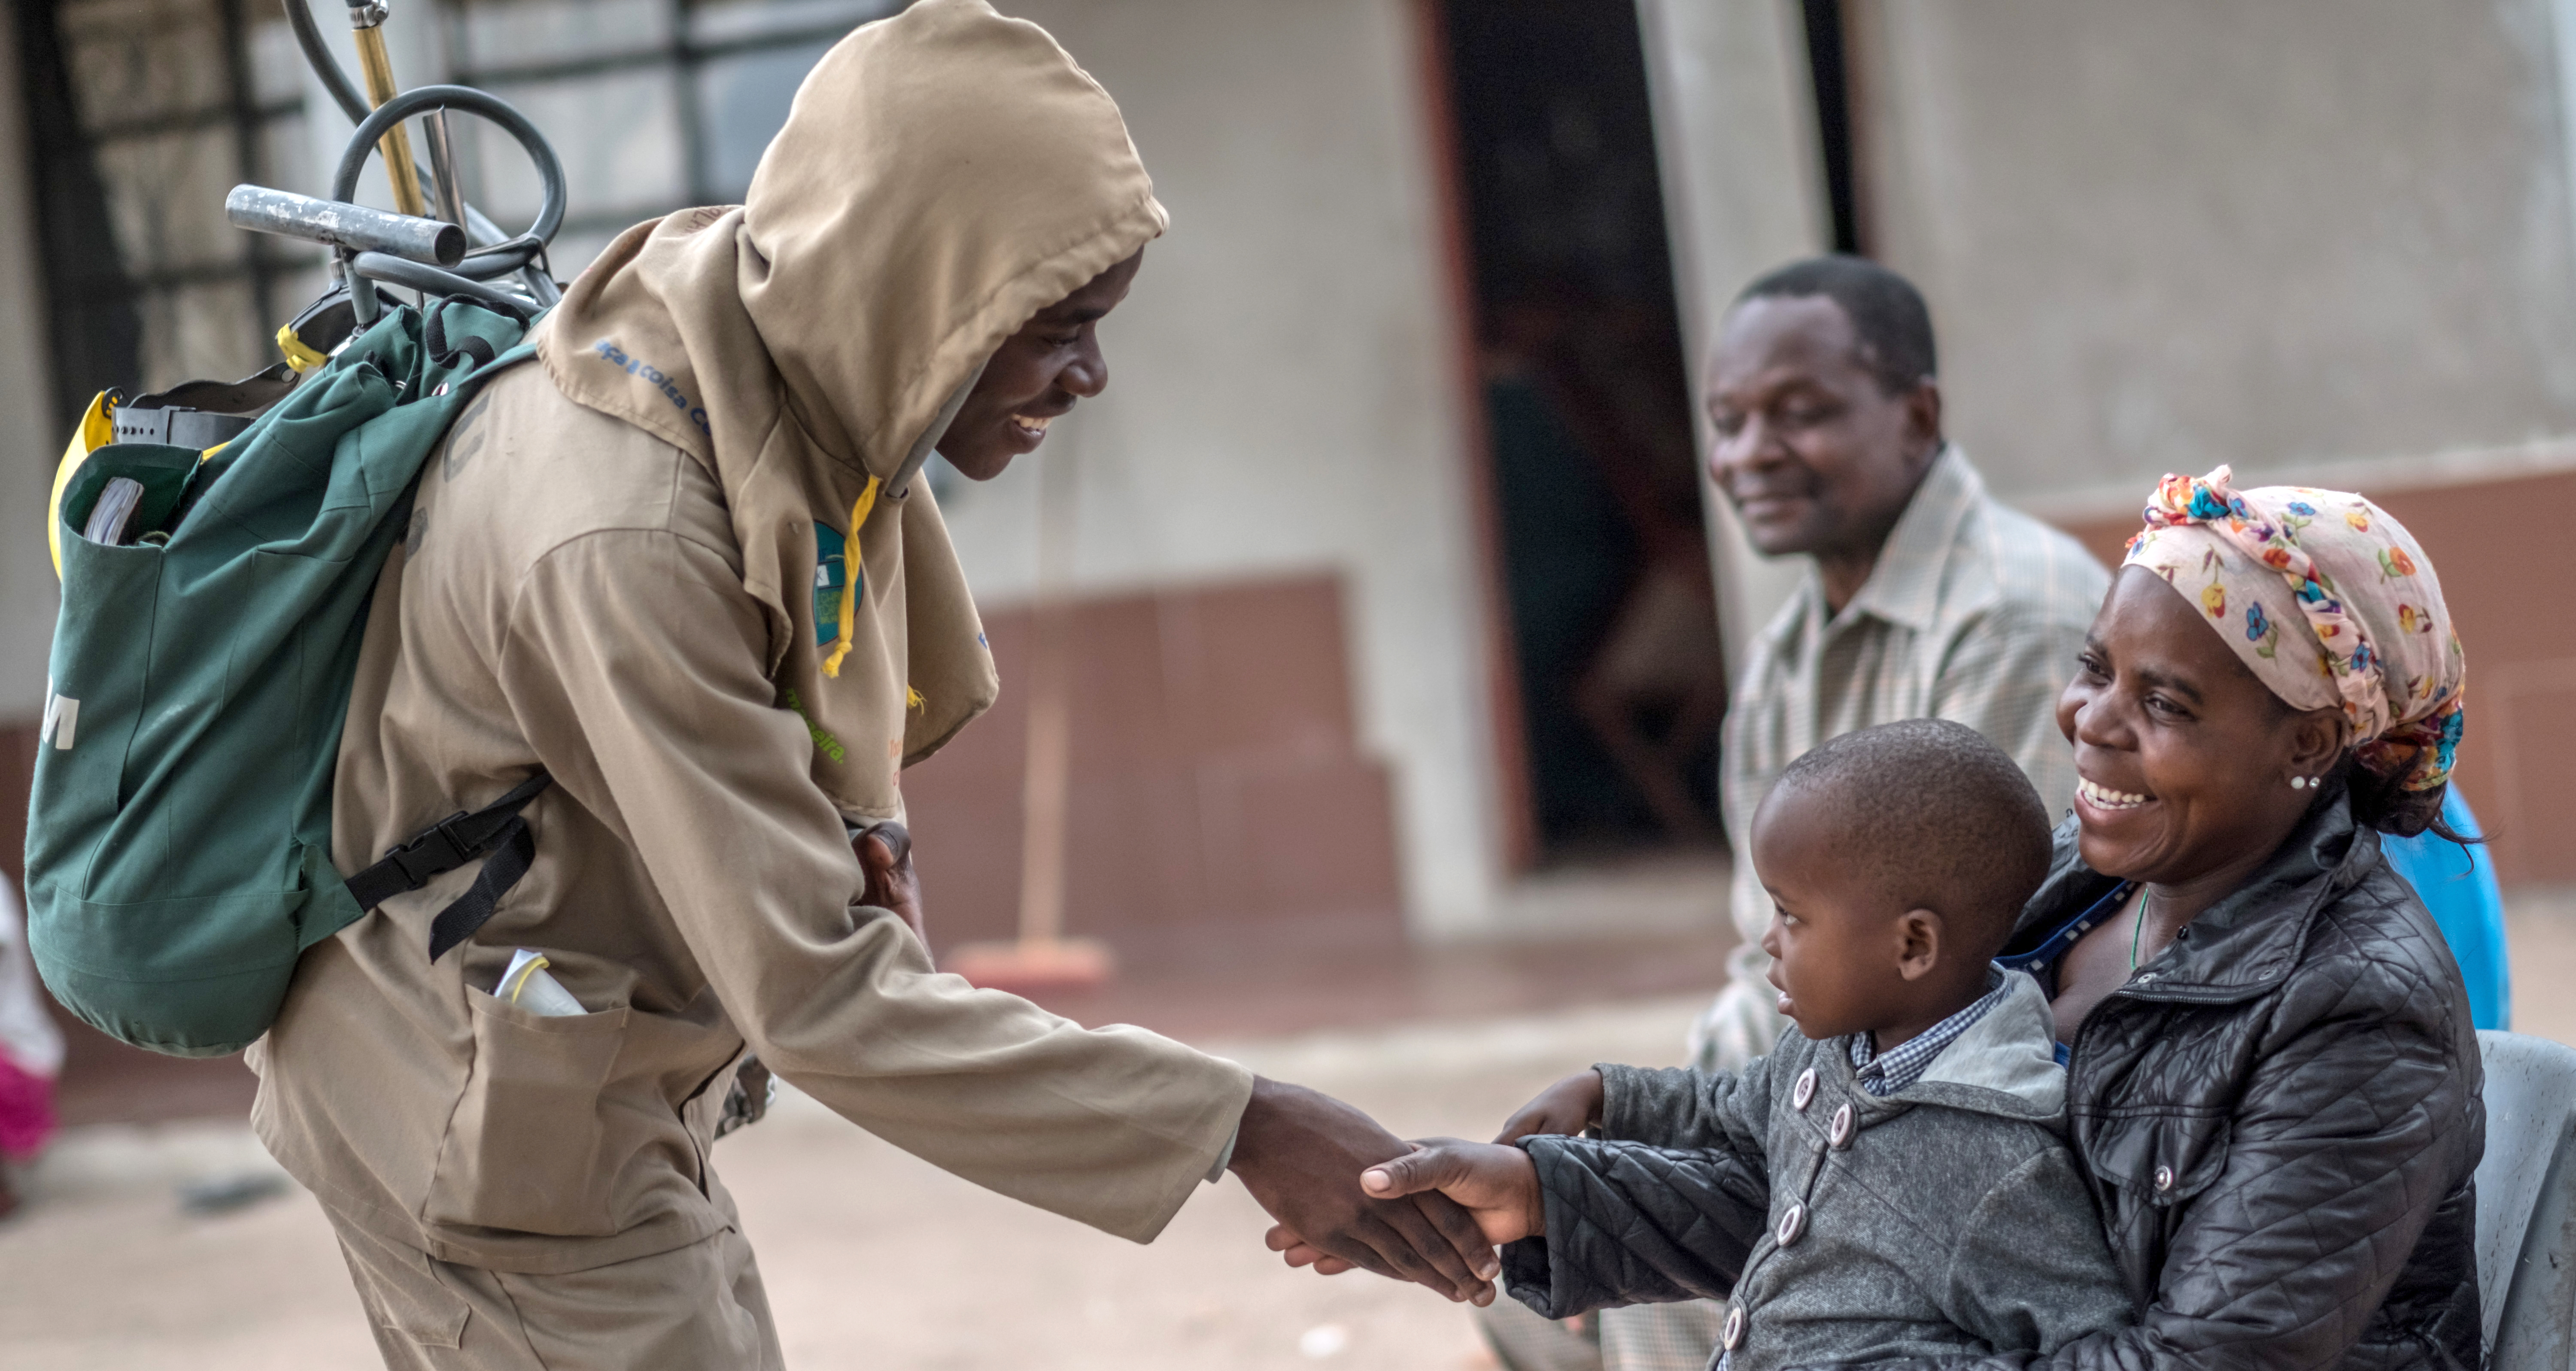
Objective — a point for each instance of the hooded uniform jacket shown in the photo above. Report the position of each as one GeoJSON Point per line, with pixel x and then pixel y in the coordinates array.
{"type": "Point", "coordinates": [1946, 1219]}
{"type": "Point", "coordinates": [680, 566]}
{"type": "Point", "coordinates": [2278, 1117]}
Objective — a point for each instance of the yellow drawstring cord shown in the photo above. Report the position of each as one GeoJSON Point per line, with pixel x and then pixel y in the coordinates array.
{"type": "Point", "coordinates": [851, 585]}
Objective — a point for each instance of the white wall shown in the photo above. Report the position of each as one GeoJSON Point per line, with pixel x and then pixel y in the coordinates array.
{"type": "Point", "coordinates": [1735, 132]}
{"type": "Point", "coordinates": [2283, 235]}
{"type": "Point", "coordinates": [1281, 396]}
{"type": "Point", "coordinates": [28, 446]}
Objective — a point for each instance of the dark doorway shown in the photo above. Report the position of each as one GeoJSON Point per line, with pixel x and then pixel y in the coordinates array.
{"type": "Point", "coordinates": [1829, 74]}
{"type": "Point", "coordinates": [1604, 561]}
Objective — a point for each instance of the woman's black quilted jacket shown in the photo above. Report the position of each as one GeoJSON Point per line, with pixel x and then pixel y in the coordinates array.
{"type": "Point", "coordinates": [2278, 1118]}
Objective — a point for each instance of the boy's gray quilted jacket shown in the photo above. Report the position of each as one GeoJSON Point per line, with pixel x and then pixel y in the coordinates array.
{"type": "Point", "coordinates": [1946, 1219]}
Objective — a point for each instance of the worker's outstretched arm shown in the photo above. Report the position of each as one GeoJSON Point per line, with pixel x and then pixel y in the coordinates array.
{"type": "Point", "coordinates": [635, 663]}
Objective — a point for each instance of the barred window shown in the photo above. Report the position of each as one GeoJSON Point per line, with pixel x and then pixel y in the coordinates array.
{"type": "Point", "coordinates": [654, 105]}
{"type": "Point", "coordinates": [174, 102]}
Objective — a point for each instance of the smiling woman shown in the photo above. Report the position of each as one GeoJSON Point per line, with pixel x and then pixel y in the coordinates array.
{"type": "Point", "coordinates": [2190, 772]}
{"type": "Point", "coordinates": [2273, 1078]}
{"type": "Point", "coordinates": [2331, 659]}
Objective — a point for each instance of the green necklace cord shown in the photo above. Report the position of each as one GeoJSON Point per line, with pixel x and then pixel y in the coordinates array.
{"type": "Point", "coordinates": [2138, 930]}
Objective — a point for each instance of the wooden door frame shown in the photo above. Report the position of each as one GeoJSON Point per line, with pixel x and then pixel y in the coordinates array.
{"type": "Point", "coordinates": [1514, 808]}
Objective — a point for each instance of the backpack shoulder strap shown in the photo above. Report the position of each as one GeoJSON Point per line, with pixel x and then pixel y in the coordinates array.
{"type": "Point", "coordinates": [495, 830]}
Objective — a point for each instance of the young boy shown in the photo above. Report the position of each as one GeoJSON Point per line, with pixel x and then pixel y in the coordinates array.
{"type": "Point", "coordinates": [1922, 1199]}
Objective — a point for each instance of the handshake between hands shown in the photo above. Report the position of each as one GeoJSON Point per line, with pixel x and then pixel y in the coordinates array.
{"type": "Point", "coordinates": [1428, 1212]}
{"type": "Point", "coordinates": [1434, 1210]}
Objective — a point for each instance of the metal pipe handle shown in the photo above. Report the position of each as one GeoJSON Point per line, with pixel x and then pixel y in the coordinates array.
{"type": "Point", "coordinates": [339, 224]}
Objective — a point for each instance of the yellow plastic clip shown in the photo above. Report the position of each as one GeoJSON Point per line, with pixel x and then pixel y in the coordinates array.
{"type": "Point", "coordinates": [298, 356]}
{"type": "Point", "coordinates": [851, 565]}
{"type": "Point", "coordinates": [92, 433]}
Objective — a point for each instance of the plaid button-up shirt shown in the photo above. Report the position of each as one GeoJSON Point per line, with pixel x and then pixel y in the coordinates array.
{"type": "Point", "coordinates": [1885, 1073]}
{"type": "Point", "coordinates": [1974, 613]}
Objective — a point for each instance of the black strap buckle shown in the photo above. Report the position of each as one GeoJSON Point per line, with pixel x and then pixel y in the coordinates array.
{"type": "Point", "coordinates": [443, 846]}
{"type": "Point", "coordinates": [420, 861]}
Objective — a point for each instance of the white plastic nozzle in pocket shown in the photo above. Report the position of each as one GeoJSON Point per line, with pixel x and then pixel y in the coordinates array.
{"type": "Point", "coordinates": [527, 985]}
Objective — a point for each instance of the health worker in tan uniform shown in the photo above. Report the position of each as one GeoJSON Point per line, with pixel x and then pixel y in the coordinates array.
{"type": "Point", "coordinates": [681, 564]}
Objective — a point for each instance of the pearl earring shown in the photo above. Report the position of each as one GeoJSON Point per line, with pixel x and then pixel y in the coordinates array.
{"type": "Point", "coordinates": [2299, 783]}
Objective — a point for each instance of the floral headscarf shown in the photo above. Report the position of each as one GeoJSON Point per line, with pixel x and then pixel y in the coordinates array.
{"type": "Point", "coordinates": [2329, 601]}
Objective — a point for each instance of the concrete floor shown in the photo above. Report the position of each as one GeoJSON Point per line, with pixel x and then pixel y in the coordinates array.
{"type": "Point", "coordinates": [877, 1260]}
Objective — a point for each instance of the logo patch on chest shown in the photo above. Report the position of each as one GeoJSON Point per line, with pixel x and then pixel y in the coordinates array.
{"type": "Point", "coordinates": [834, 577]}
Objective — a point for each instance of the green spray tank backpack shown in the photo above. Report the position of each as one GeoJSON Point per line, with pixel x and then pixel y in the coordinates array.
{"type": "Point", "coordinates": [179, 833]}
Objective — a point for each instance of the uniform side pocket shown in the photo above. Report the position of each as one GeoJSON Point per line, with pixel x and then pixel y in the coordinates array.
{"type": "Point", "coordinates": [402, 1292]}
{"type": "Point", "coordinates": [522, 1151]}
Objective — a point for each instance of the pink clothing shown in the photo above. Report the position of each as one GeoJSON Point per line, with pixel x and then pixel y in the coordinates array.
{"type": "Point", "coordinates": [26, 1111]}
{"type": "Point", "coordinates": [31, 1047]}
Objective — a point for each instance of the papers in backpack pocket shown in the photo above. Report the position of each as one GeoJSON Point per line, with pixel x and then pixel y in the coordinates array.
{"type": "Point", "coordinates": [115, 508]}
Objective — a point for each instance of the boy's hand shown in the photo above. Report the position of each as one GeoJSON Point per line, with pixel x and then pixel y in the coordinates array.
{"type": "Point", "coordinates": [1496, 1184]}
{"type": "Point", "coordinates": [1567, 1108]}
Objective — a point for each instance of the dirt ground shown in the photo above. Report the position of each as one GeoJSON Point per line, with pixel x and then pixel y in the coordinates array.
{"type": "Point", "coordinates": [874, 1259]}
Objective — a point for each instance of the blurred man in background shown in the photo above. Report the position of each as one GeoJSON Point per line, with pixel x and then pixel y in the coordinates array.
{"type": "Point", "coordinates": [1925, 597]}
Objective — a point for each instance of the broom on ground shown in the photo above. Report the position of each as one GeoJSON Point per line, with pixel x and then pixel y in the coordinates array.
{"type": "Point", "coordinates": [1042, 958]}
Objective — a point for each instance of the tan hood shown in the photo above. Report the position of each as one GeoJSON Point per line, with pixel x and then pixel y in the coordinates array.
{"type": "Point", "coordinates": [943, 176]}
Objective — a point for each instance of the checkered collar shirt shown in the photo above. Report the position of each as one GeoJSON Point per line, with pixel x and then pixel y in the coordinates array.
{"type": "Point", "coordinates": [1885, 1073]}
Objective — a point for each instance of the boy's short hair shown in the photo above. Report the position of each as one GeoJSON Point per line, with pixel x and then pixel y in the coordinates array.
{"type": "Point", "coordinates": [1936, 817]}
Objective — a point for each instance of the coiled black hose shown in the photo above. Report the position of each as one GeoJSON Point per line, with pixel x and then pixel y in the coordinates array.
{"type": "Point", "coordinates": [487, 236]}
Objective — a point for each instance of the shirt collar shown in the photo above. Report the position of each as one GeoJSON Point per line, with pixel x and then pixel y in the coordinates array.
{"type": "Point", "coordinates": [1885, 1073]}
{"type": "Point", "coordinates": [1904, 588]}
